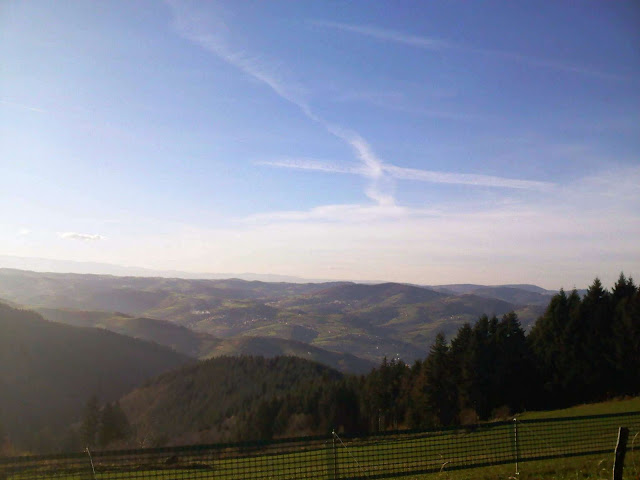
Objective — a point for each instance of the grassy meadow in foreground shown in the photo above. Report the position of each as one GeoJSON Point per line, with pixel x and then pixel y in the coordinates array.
{"type": "Point", "coordinates": [443, 454]}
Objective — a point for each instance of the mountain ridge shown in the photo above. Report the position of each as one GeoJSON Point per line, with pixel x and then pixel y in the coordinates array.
{"type": "Point", "coordinates": [368, 321]}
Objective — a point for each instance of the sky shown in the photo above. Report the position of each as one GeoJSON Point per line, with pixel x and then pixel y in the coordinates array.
{"type": "Point", "coordinates": [423, 142]}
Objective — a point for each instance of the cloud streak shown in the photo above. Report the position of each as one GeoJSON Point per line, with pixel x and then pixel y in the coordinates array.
{"type": "Point", "coordinates": [188, 25]}
{"type": "Point", "coordinates": [84, 237]}
{"type": "Point", "coordinates": [22, 106]}
{"type": "Point", "coordinates": [413, 174]}
{"type": "Point", "coordinates": [192, 25]}
{"type": "Point", "coordinates": [465, 179]}
{"type": "Point", "coordinates": [436, 44]}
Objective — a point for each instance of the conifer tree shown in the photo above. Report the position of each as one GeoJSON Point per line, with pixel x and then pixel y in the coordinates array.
{"type": "Point", "coordinates": [439, 389]}
{"type": "Point", "coordinates": [513, 368]}
{"type": "Point", "coordinates": [595, 349]}
{"type": "Point", "coordinates": [461, 365]}
{"type": "Point", "coordinates": [114, 424]}
{"type": "Point", "coordinates": [626, 336]}
{"type": "Point", "coordinates": [90, 422]}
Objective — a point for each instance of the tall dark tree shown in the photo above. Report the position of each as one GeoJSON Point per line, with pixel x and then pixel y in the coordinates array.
{"type": "Point", "coordinates": [439, 388]}
{"type": "Point", "coordinates": [462, 365]}
{"type": "Point", "coordinates": [596, 351]}
{"type": "Point", "coordinates": [114, 425]}
{"type": "Point", "coordinates": [514, 374]}
{"type": "Point", "coordinates": [481, 389]}
{"type": "Point", "coordinates": [626, 336]}
{"type": "Point", "coordinates": [553, 342]}
{"type": "Point", "coordinates": [383, 388]}
{"type": "Point", "coordinates": [90, 422]}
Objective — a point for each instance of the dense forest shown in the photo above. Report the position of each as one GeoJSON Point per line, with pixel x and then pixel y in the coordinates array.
{"type": "Point", "coordinates": [580, 350]}
{"type": "Point", "coordinates": [583, 348]}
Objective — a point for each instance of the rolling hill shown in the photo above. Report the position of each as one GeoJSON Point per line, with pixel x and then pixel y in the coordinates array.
{"type": "Point", "coordinates": [368, 321]}
{"type": "Point", "coordinates": [202, 345]}
{"type": "Point", "coordinates": [49, 370]}
{"type": "Point", "coordinates": [214, 399]}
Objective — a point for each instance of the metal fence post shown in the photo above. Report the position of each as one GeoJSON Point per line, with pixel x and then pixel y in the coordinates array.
{"type": "Point", "coordinates": [621, 450]}
{"type": "Point", "coordinates": [516, 448]}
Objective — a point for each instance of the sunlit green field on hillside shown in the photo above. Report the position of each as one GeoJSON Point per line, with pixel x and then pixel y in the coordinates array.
{"type": "Point", "coordinates": [438, 455]}
{"type": "Point", "coordinates": [602, 408]}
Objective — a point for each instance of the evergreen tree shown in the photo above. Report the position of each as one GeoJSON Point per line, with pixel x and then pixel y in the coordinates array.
{"type": "Point", "coordinates": [514, 365]}
{"type": "Point", "coordinates": [553, 343]}
{"type": "Point", "coordinates": [413, 391]}
{"type": "Point", "coordinates": [482, 357]}
{"type": "Point", "coordinates": [462, 365]}
{"type": "Point", "coordinates": [438, 384]}
{"type": "Point", "coordinates": [626, 336]}
{"type": "Point", "coordinates": [90, 421]}
{"type": "Point", "coordinates": [114, 425]}
{"type": "Point", "coordinates": [595, 349]}
{"type": "Point", "coordinates": [384, 388]}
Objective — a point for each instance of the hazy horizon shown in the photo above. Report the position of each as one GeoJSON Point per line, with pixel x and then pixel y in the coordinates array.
{"type": "Point", "coordinates": [44, 265]}
{"type": "Point", "coordinates": [427, 143]}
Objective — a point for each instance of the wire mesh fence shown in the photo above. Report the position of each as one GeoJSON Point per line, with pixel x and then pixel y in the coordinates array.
{"type": "Point", "coordinates": [395, 454]}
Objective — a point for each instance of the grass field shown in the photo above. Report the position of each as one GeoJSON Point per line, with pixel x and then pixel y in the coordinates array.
{"type": "Point", "coordinates": [482, 452]}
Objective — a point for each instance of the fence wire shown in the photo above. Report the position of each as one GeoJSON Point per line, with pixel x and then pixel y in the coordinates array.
{"type": "Point", "coordinates": [339, 457]}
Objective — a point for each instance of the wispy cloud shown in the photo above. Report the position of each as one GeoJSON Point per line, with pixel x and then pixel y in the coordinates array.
{"type": "Point", "coordinates": [589, 226]}
{"type": "Point", "coordinates": [22, 106]}
{"type": "Point", "coordinates": [336, 213]}
{"type": "Point", "coordinates": [414, 174]}
{"type": "Point", "coordinates": [437, 44]}
{"type": "Point", "coordinates": [310, 164]}
{"type": "Point", "coordinates": [465, 179]}
{"type": "Point", "coordinates": [191, 25]}
{"type": "Point", "coordinates": [23, 232]}
{"type": "Point", "coordinates": [429, 43]}
{"type": "Point", "coordinates": [188, 24]}
{"type": "Point", "coordinates": [85, 237]}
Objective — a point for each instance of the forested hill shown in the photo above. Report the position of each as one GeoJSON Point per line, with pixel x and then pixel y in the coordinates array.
{"type": "Point", "coordinates": [232, 398]}
{"type": "Point", "coordinates": [49, 370]}
{"type": "Point", "coordinates": [202, 345]}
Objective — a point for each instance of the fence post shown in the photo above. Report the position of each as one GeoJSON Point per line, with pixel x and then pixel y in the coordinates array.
{"type": "Point", "coordinates": [335, 457]}
{"type": "Point", "coordinates": [516, 447]}
{"type": "Point", "coordinates": [93, 470]}
{"type": "Point", "coordinates": [621, 450]}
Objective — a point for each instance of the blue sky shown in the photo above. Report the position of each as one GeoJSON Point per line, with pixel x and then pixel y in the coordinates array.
{"type": "Point", "coordinates": [424, 142]}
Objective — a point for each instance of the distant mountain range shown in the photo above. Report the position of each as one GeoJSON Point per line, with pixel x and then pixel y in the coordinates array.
{"type": "Point", "coordinates": [205, 318]}
{"type": "Point", "coordinates": [69, 266]}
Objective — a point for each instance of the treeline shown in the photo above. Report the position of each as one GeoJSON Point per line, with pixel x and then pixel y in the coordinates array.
{"type": "Point", "coordinates": [102, 426]}
{"type": "Point", "coordinates": [231, 398]}
{"type": "Point", "coordinates": [581, 350]}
